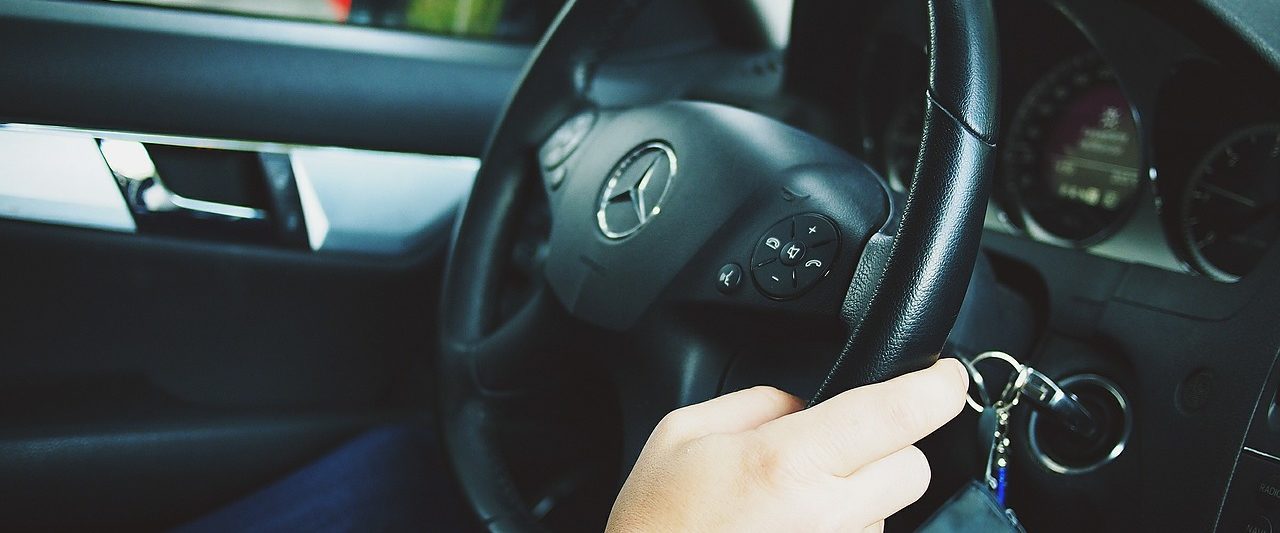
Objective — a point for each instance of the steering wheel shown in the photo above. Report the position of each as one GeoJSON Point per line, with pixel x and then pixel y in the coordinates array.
{"type": "Point", "coordinates": [669, 220]}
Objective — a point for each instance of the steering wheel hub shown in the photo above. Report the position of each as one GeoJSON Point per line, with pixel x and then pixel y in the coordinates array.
{"type": "Point", "coordinates": [635, 189]}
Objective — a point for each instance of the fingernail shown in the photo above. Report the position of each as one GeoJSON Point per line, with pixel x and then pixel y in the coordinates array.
{"type": "Point", "coordinates": [959, 369]}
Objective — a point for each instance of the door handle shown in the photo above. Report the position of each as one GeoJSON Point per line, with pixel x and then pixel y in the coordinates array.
{"type": "Point", "coordinates": [146, 193]}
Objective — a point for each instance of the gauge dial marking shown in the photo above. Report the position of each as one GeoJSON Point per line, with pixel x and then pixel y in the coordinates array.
{"type": "Point", "coordinates": [1229, 216]}
{"type": "Point", "coordinates": [1074, 168]}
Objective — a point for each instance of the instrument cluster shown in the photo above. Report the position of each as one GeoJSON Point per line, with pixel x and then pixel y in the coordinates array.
{"type": "Point", "coordinates": [1122, 134]}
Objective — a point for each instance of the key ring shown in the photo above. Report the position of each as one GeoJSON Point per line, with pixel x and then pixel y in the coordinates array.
{"type": "Point", "coordinates": [980, 382]}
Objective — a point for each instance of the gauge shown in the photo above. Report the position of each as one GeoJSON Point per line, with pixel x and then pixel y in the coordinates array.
{"type": "Point", "coordinates": [1072, 166]}
{"type": "Point", "coordinates": [1230, 212]}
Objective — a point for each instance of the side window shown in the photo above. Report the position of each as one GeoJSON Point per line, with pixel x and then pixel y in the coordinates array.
{"type": "Point", "coordinates": [503, 20]}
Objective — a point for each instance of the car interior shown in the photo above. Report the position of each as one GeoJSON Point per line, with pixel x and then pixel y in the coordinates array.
{"type": "Point", "coordinates": [236, 235]}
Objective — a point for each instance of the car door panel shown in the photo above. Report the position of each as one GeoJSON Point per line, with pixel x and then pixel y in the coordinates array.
{"type": "Point", "coordinates": [148, 377]}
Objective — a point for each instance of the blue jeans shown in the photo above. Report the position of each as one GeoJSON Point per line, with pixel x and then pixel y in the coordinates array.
{"type": "Point", "coordinates": [387, 479]}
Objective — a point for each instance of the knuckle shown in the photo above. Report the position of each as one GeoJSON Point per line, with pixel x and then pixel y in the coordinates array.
{"type": "Point", "coordinates": [905, 418]}
{"type": "Point", "coordinates": [674, 426]}
{"type": "Point", "coordinates": [778, 398]}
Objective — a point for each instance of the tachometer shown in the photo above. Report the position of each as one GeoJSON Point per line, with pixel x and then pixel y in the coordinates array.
{"type": "Point", "coordinates": [1230, 212]}
{"type": "Point", "coordinates": [1073, 160]}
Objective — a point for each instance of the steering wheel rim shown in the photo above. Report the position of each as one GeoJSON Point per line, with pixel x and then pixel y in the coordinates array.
{"type": "Point", "coordinates": [905, 291]}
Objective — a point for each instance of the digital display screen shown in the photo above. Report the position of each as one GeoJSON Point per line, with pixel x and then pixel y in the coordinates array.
{"type": "Point", "coordinates": [1094, 152]}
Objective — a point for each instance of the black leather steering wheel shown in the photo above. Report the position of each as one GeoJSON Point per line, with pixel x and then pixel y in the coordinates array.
{"type": "Point", "coordinates": [650, 204]}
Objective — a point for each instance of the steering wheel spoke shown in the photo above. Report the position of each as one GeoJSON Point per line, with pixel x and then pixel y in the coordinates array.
{"type": "Point", "coordinates": [528, 348]}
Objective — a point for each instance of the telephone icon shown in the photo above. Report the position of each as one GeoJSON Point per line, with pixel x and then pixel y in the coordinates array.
{"type": "Point", "coordinates": [813, 263]}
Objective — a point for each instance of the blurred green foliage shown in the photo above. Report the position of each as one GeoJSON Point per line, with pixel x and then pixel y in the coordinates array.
{"type": "Point", "coordinates": [477, 18]}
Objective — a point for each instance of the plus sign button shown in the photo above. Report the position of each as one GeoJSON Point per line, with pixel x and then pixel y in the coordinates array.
{"type": "Point", "coordinates": [814, 230]}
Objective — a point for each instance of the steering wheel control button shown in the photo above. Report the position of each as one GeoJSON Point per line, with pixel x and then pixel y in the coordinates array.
{"type": "Point", "coordinates": [814, 230]}
{"type": "Point", "coordinates": [776, 279]}
{"type": "Point", "coordinates": [815, 266]}
{"type": "Point", "coordinates": [562, 142]}
{"type": "Point", "coordinates": [792, 253]}
{"type": "Point", "coordinates": [770, 245]}
{"type": "Point", "coordinates": [729, 279]}
{"type": "Point", "coordinates": [554, 177]}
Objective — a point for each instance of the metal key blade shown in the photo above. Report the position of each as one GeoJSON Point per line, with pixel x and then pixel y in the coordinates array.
{"type": "Point", "coordinates": [1047, 396]}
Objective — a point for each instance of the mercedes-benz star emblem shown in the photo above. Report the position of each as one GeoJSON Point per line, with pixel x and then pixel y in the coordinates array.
{"type": "Point", "coordinates": [636, 187]}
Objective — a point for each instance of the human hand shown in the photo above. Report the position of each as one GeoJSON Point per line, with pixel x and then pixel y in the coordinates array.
{"type": "Point", "coordinates": [754, 460]}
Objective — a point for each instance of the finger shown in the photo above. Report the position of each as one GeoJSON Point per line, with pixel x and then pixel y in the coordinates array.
{"type": "Point", "coordinates": [732, 413]}
{"type": "Point", "coordinates": [867, 423]}
{"type": "Point", "coordinates": [882, 488]}
{"type": "Point", "coordinates": [877, 527]}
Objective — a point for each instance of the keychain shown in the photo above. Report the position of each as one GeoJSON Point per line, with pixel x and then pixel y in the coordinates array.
{"type": "Point", "coordinates": [982, 505]}
{"type": "Point", "coordinates": [997, 470]}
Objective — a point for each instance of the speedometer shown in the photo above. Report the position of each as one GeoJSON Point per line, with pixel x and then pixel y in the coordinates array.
{"type": "Point", "coordinates": [1072, 166]}
{"type": "Point", "coordinates": [1230, 212]}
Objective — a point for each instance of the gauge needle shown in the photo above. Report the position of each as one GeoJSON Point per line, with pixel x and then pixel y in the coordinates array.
{"type": "Point", "coordinates": [1094, 164]}
{"type": "Point", "coordinates": [1230, 195]}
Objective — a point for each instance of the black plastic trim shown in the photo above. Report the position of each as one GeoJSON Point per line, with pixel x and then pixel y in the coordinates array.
{"type": "Point", "coordinates": [139, 68]}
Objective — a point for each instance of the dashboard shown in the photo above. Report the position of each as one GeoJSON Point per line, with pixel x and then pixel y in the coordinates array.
{"type": "Point", "coordinates": [1121, 135]}
{"type": "Point", "coordinates": [1131, 237]}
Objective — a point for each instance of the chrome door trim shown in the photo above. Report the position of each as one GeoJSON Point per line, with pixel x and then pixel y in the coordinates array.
{"type": "Point", "coordinates": [59, 179]}
{"type": "Point", "coordinates": [353, 201]}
